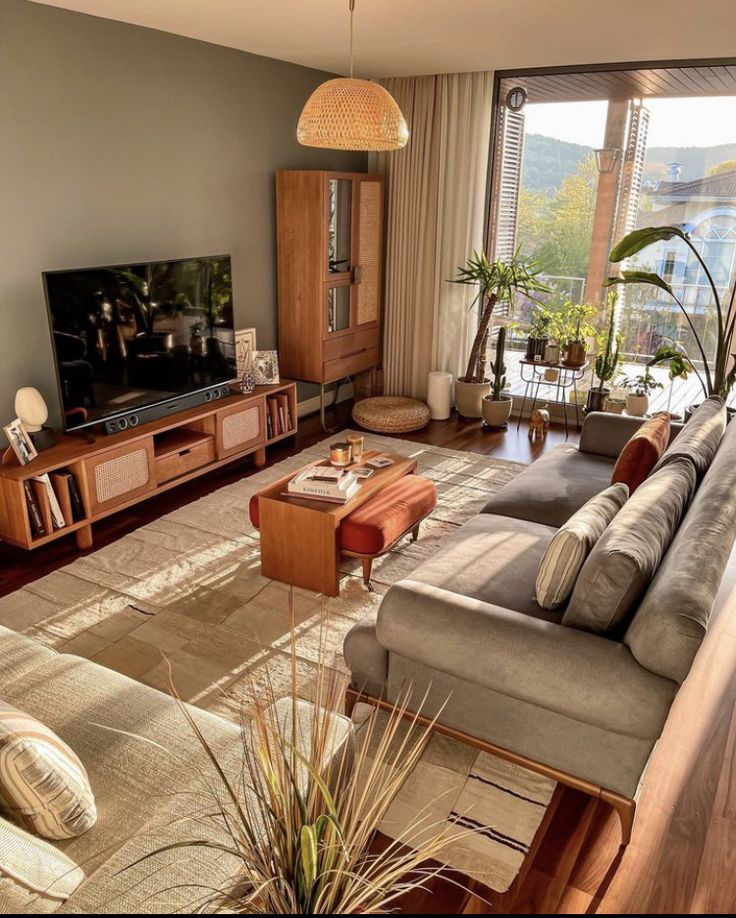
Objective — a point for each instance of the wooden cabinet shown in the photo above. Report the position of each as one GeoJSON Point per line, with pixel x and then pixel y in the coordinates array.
{"type": "Point", "coordinates": [330, 273]}
{"type": "Point", "coordinates": [94, 480]}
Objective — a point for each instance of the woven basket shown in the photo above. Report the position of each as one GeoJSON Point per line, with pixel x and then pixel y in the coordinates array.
{"type": "Point", "coordinates": [391, 414]}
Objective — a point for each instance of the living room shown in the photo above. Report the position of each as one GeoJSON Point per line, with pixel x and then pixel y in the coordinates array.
{"type": "Point", "coordinates": [367, 495]}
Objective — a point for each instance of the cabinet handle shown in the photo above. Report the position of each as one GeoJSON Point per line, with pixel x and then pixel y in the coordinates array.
{"type": "Point", "coordinates": [185, 452]}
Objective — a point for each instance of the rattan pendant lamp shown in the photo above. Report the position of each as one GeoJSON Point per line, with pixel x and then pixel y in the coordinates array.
{"type": "Point", "coordinates": [352, 114]}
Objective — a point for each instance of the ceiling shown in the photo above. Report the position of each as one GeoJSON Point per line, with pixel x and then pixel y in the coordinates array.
{"type": "Point", "coordinates": [407, 37]}
{"type": "Point", "coordinates": [660, 83]}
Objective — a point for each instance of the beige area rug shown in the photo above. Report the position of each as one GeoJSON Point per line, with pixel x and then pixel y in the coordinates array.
{"type": "Point", "coordinates": [188, 586]}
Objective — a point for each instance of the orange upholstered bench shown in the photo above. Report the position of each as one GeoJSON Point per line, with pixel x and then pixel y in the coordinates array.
{"type": "Point", "coordinates": [377, 525]}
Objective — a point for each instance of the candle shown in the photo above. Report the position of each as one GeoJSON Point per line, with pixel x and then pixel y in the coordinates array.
{"type": "Point", "coordinates": [356, 442]}
{"type": "Point", "coordinates": [340, 455]}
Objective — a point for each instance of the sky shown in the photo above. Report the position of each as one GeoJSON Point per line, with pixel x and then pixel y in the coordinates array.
{"type": "Point", "coordinates": [701, 122]}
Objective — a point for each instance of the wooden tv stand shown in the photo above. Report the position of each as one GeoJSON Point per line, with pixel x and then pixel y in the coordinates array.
{"type": "Point", "coordinates": [120, 470]}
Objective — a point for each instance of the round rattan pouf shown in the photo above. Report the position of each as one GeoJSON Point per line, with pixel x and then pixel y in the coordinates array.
{"type": "Point", "coordinates": [391, 414]}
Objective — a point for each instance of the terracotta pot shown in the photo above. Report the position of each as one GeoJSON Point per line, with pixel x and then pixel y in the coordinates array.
{"type": "Point", "coordinates": [469, 397]}
{"type": "Point", "coordinates": [551, 374]}
{"type": "Point", "coordinates": [497, 413]}
{"type": "Point", "coordinates": [637, 405]}
{"type": "Point", "coordinates": [597, 399]}
{"type": "Point", "coordinates": [576, 354]}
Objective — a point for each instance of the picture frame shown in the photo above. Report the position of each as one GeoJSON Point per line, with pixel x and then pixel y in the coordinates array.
{"type": "Point", "coordinates": [20, 442]}
{"type": "Point", "coordinates": [245, 349]}
{"type": "Point", "coordinates": [266, 368]}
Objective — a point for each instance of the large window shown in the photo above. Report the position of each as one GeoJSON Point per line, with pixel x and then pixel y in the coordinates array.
{"type": "Point", "coordinates": [591, 156]}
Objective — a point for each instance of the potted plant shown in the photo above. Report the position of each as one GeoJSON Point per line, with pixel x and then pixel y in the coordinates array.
{"type": "Point", "coordinates": [607, 362]}
{"type": "Point", "coordinates": [538, 340]}
{"type": "Point", "coordinates": [579, 330]}
{"type": "Point", "coordinates": [497, 281]}
{"type": "Point", "coordinates": [497, 406]}
{"type": "Point", "coordinates": [293, 824]}
{"type": "Point", "coordinates": [719, 370]}
{"type": "Point", "coordinates": [640, 387]}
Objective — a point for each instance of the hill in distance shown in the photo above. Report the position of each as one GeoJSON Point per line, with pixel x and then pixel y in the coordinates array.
{"type": "Point", "coordinates": [548, 160]}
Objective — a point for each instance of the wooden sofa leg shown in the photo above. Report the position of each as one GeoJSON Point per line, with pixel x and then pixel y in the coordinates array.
{"type": "Point", "coordinates": [626, 810]}
{"type": "Point", "coordinates": [351, 699]}
{"type": "Point", "coordinates": [367, 568]}
{"type": "Point", "coordinates": [415, 532]}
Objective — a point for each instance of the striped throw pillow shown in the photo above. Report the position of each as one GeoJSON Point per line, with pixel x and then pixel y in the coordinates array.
{"type": "Point", "coordinates": [43, 785]}
{"type": "Point", "coordinates": [572, 543]}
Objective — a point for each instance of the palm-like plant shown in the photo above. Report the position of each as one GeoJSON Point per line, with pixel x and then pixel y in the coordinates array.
{"type": "Point", "coordinates": [718, 375]}
{"type": "Point", "coordinates": [497, 282]}
{"type": "Point", "coordinates": [300, 834]}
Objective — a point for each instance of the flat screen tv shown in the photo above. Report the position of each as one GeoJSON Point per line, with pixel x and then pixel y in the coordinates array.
{"type": "Point", "coordinates": [127, 337]}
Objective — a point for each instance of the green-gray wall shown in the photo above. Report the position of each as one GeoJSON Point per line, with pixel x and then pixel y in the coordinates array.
{"type": "Point", "coordinates": [119, 143]}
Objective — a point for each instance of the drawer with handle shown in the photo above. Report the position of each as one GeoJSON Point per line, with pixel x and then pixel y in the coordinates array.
{"type": "Point", "coordinates": [350, 364]}
{"type": "Point", "coordinates": [350, 345]}
{"type": "Point", "coordinates": [185, 460]}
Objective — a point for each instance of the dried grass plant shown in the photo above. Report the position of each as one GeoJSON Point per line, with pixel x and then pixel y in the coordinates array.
{"type": "Point", "coordinates": [301, 834]}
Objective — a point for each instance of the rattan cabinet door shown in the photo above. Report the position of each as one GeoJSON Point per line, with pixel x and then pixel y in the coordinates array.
{"type": "Point", "coordinates": [241, 428]}
{"type": "Point", "coordinates": [120, 475]}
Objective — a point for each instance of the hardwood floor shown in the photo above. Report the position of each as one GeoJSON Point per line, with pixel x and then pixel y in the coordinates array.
{"type": "Point", "coordinates": [682, 857]}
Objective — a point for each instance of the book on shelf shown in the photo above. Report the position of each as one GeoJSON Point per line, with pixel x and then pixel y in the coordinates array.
{"type": "Point", "coordinates": [308, 484]}
{"type": "Point", "coordinates": [284, 412]}
{"type": "Point", "coordinates": [34, 511]}
{"type": "Point", "coordinates": [57, 517]}
{"type": "Point", "coordinates": [273, 411]}
{"type": "Point", "coordinates": [65, 485]}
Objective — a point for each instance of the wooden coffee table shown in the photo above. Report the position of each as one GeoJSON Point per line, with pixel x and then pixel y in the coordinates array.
{"type": "Point", "coordinates": [300, 537]}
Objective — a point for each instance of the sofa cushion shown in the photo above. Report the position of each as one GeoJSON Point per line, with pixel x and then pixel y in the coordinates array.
{"type": "Point", "coordinates": [572, 543]}
{"type": "Point", "coordinates": [492, 558]}
{"type": "Point", "coordinates": [623, 563]}
{"type": "Point", "coordinates": [642, 452]}
{"type": "Point", "coordinates": [554, 487]}
{"type": "Point", "coordinates": [700, 437]}
{"type": "Point", "coordinates": [43, 785]}
{"type": "Point", "coordinates": [590, 678]}
{"type": "Point", "coordinates": [672, 619]}
{"type": "Point", "coordinates": [34, 876]}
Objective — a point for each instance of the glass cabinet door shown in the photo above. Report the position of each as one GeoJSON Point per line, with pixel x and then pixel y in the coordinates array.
{"type": "Point", "coordinates": [339, 225]}
{"type": "Point", "coordinates": [338, 308]}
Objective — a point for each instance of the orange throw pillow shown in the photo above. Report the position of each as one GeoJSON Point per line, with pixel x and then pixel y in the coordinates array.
{"type": "Point", "coordinates": [642, 452]}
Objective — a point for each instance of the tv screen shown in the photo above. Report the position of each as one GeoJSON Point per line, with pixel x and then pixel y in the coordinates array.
{"type": "Point", "coordinates": [130, 336]}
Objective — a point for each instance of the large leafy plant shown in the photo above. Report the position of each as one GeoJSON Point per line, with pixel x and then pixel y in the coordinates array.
{"type": "Point", "coordinates": [719, 373]}
{"type": "Point", "coordinates": [497, 282]}
{"type": "Point", "coordinates": [570, 322]}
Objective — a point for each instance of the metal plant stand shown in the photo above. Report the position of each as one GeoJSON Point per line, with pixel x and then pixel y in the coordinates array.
{"type": "Point", "coordinates": [532, 375]}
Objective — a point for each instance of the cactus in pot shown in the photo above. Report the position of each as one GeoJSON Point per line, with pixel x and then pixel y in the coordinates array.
{"type": "Point", "coordinates": [497, 406]}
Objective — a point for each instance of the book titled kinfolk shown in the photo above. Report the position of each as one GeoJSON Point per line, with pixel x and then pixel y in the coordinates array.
{"type": "Point", "coordinates": [309, 484]}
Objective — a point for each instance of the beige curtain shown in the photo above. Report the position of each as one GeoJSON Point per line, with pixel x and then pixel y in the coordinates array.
{"type": "Point", "coordinates": [436, 193]}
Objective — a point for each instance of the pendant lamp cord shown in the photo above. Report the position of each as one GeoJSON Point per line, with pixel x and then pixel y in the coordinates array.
{"type": "Point", "coordinates": [352, 10]}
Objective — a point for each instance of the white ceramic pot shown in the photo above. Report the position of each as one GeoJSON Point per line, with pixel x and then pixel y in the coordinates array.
{"type": "Point", "coordinates": [637, 405]}
{"type": "Point", "coordinates": [615, 406]}
{"type": "Point", "coordinates": [497, 414]}
{"type": "Point", "coordinates": [469, 397]}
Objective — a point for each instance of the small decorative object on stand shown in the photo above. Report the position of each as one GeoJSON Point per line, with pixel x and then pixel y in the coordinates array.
{"type": "Point", "coordinates": [248, 382]}
{"type": "Point", "coordinates": [31, 408]}
{"type": "Point", "coordinates": [539, 424]}
{"type": "Point", "coordinates": [266, 368]}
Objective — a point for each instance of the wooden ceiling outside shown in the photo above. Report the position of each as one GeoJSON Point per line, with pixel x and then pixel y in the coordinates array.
{"type": "Point", "coordinates": [675, 82]}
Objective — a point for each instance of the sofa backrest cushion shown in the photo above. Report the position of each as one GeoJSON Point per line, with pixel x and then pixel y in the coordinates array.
{"type": "Point", "coordinates": [671, 621]}
{"type": "Point", "coordinates": [623, 563]}
{"type": "Point", "coordinates": [642, 452]}
{"type": "Point", "coordinates": [565, 555]}
{"type": "Point", "coordinates": [700, 437]}
{"type": "Point", "coordinates": [605, 434]}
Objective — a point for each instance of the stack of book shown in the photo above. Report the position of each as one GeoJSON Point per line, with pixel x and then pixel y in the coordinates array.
{"type": "Point", "coordinates": [324, 483]}
{"type": "Point", "coordinates": [53, 502]}
{"type": "Point", "coordinates": [278, 415]}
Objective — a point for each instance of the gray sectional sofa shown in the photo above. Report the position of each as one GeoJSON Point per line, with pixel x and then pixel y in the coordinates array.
{"type": "Point", "coordinates": [465, 628]}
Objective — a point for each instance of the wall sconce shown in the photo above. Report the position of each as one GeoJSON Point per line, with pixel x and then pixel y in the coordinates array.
{"type": "Point", "coordinates": [607, 159]}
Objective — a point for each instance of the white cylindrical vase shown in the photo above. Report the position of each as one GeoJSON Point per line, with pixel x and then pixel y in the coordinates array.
{"type": "Point", "coordinates": [439, 395]}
